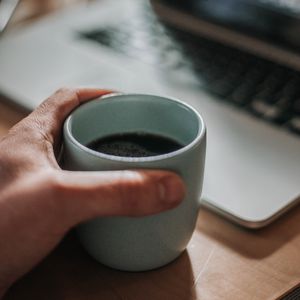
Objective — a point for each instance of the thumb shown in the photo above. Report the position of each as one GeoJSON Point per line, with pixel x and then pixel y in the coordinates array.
{"type": "Point", "coordinates": [117, 193]}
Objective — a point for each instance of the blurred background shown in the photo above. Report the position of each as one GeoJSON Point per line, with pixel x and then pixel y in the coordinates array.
{"type": "Point", "coordinates": [236, 61]}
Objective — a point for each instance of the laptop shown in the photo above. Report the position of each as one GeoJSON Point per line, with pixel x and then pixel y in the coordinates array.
{"type": "Point", "coordinates": [236, 61]}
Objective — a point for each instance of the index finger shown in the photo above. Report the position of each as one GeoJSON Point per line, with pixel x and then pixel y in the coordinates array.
{"type": "Point", "coordinates": [51, 114]}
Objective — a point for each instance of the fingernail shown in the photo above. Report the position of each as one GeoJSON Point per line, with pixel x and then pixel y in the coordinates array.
{"type": "Point", "coordinates": [171, 190]}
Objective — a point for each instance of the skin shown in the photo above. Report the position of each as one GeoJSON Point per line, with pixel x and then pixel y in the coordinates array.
{"type": "Point", "coordinates": [40, 202]}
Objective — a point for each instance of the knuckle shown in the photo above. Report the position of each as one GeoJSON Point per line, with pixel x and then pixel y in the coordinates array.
{"type": "Point", "coordinates": [131, 190]}
{"type": "Point", "coordinates": [63, 97]}
{"type": "Point", "coordinates": [137, 192]}
{"type": "Point", "coordinates": [63, 94]}
{"type": "Point", "coordinates": [27, 135]}
{"type": "Point", "coordinates": [65, 90]}
{"type": "Point", "coordinates": [55, 107]}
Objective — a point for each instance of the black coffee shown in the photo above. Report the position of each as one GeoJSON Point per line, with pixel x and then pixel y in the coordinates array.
{"type": "Point", "coordinates": [135, 145]}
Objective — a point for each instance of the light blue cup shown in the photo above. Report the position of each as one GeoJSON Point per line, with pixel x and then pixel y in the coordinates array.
{"type": "Point", "coordinates": [139, 244]}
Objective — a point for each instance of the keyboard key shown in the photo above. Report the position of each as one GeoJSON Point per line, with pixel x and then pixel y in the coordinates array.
{"type": "Point", "coordinates": [265, 95]}
{"type": "Point", "coordinates": [242, 95]}
{"type": "Point", "coordinates": [291, 87]}
{"type": "Point", "coordinates": [278, 115]}
{"type": "Point", "coordinates": [294, 125]}
{"type": "Point", "coordinates": [296, 106]}
{"type": "Point", "coordinates": [221, 88]}
{"type": "Point", "coordinates": [274, 113]}
{"type": "Point", "coordinates": [260, 108]}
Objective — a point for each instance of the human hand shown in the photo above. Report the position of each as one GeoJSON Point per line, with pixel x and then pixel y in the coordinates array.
{"type": "Point", "coordinates": [40, 202]}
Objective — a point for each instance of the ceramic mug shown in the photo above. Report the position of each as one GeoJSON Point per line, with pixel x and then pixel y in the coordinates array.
{"type": "Point", "coordinates": [139, 243]}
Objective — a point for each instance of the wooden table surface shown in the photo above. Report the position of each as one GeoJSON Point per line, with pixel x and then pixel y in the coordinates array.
{"type": "Point", "coordinates": [222, 261]}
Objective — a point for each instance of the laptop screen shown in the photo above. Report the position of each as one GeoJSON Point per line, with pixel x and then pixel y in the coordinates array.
{"type": "Point", "coordinates": [277, 21]}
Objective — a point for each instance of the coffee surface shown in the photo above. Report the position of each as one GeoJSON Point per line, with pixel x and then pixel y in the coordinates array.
{"type": "Point", "coordinates": [134, 145]}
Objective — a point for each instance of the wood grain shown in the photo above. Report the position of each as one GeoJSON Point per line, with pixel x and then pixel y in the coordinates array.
{"type": "Point", "coordinates": [222, 261]}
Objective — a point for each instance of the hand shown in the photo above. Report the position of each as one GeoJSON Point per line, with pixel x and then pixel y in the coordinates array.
{"type": "Point", "coordinates": [40, 203]}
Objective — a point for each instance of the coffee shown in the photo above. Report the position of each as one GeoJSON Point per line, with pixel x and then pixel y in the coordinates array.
{"type": "Point", "coordinates": [137, 144]}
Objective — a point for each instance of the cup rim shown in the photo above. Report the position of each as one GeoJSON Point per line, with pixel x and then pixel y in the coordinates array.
{"type": "Point", "coordinates": [199, 136]}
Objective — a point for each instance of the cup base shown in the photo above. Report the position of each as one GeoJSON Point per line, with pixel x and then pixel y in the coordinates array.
{"type": "Point", "coordinates": [127, 268]}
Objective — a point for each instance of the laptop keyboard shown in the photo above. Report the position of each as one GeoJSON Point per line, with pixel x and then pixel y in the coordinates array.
{"type": "Point", "coordinates": [265, 89]}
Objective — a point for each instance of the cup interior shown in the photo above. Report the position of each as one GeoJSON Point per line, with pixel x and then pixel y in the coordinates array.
{"type": "Point", "coordinates": [134, 113]}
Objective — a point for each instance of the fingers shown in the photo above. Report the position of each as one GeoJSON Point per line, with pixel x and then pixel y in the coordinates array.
{"type": "Point", "coordinates": [51, 114]}
{"type": "Point", "coordinates": [39, 133]}
{"type": "Point", "coordinates": [63, 101]}
{"type": "Point", "coordinates": [86, 195]}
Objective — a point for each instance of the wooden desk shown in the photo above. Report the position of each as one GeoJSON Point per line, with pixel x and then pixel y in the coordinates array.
{"type": "Point", "coordinates": [223, 261]}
